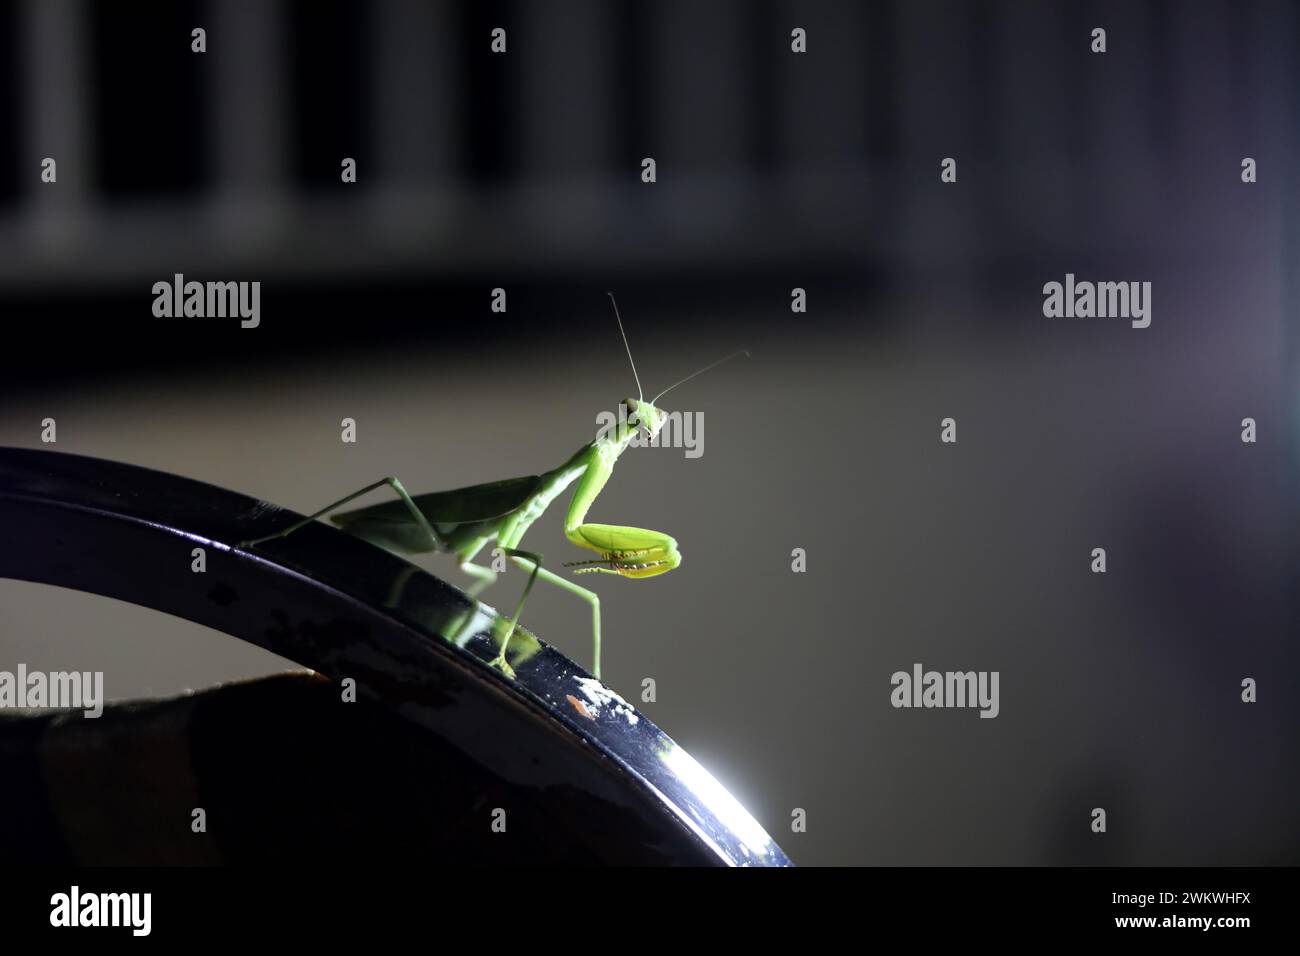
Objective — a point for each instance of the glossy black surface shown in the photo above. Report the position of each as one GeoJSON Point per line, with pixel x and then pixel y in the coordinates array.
{"type": "Point", "coordinates": [347, 609]}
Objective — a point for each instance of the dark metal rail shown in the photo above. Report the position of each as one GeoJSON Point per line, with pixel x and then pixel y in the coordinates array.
{"type": "Point", "coordinates": [346, 609]}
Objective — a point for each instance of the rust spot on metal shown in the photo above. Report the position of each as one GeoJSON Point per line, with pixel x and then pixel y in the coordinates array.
{"type": "Point", "coordinates": [580, 707]}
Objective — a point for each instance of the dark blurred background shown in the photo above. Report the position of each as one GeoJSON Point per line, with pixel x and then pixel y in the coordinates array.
{"type": "Point", "coordinates": [775, 171]}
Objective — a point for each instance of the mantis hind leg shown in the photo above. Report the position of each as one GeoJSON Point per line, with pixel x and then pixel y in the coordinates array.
{"type": "Point", "coordinates": [393, 483]}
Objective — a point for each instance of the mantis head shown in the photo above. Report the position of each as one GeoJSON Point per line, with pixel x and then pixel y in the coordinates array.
{"type": "Point", "coordinates": [641, 413]}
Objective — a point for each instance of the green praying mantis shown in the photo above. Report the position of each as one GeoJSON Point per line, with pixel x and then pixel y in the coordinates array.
{"type": "Point", "coordinates": [464, 521]}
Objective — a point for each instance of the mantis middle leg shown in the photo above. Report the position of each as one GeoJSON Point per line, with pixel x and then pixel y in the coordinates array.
{"type": "Point", "coordinates": [500, 661]}
{"type": "Point", "coordinates": [486, 577]}
{"type": "Point", "coordinates": [591, 597]}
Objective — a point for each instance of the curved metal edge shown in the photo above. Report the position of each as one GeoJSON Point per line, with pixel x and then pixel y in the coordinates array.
{"type": "Point", "coordinates": [345, 608]}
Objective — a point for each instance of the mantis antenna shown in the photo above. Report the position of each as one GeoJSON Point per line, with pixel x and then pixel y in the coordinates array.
{"type": "Point", "coordinates": [711, 365]}
{"type": "Point", "coordinates": [640, 395]}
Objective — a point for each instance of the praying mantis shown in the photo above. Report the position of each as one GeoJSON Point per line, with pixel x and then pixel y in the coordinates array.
{"type": "Point", "coordinates": [464, 521]}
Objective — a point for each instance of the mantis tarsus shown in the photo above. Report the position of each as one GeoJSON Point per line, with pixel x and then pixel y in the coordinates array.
{"type": "Point", "coordinates": [466, 520]}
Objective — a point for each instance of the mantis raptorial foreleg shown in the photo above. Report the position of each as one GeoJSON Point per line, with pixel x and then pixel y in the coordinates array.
{"type": "Point", "coordinates": [434, 541]}
{"type": "Point", "coordinates": [625, 551]}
